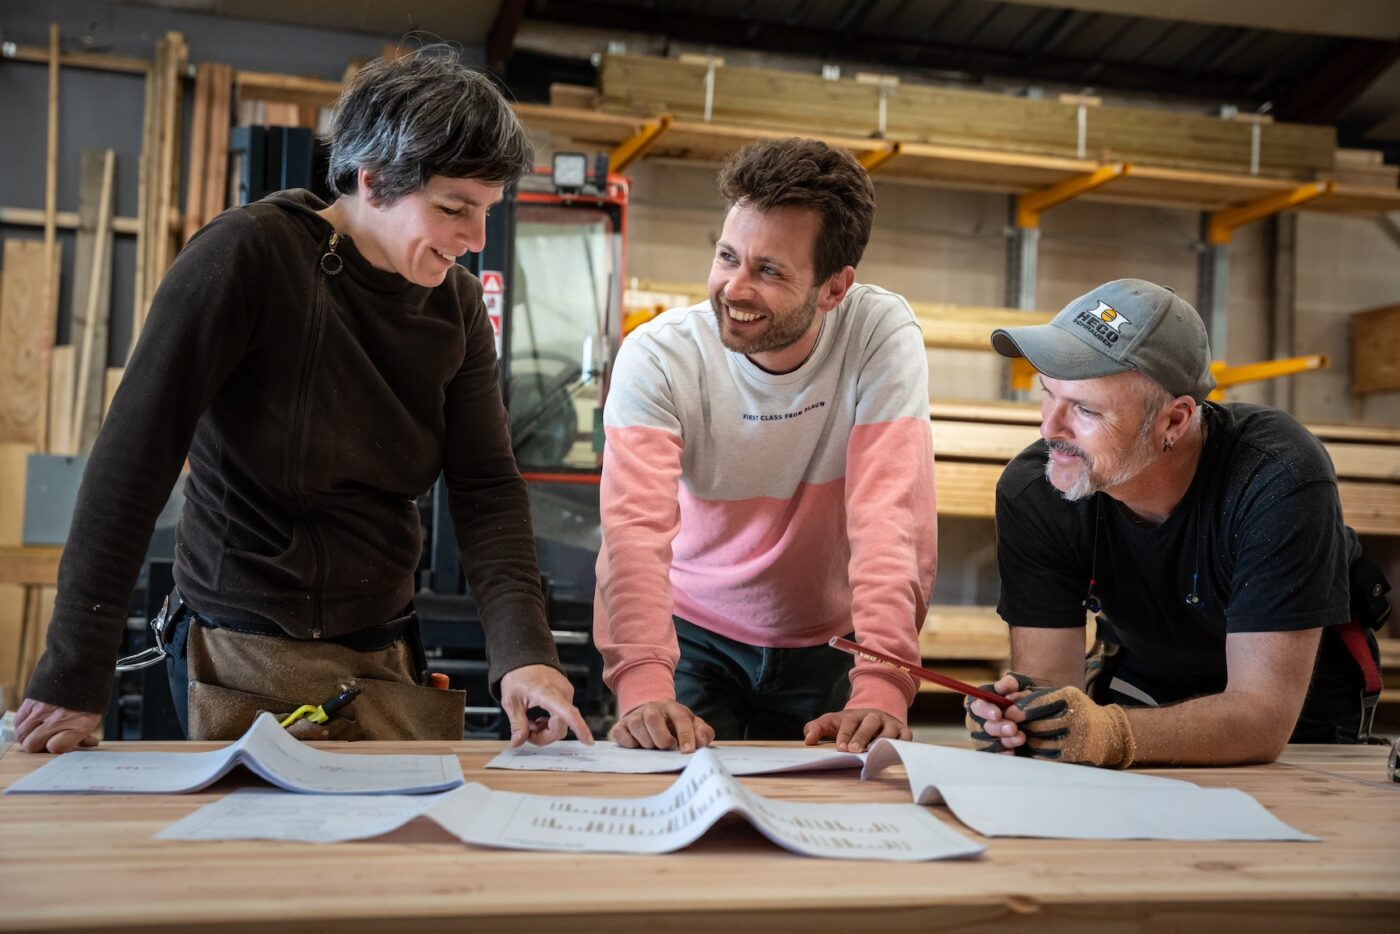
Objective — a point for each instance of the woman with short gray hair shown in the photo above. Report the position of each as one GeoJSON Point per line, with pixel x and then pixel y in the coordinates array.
{"type": "Point", "coordinates": [319, 365]}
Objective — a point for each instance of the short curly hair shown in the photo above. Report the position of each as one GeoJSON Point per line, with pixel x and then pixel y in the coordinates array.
{"type": "Point", "coordinates": [807, 173]}
{"type": "Point", "coordinates": [423, 114]}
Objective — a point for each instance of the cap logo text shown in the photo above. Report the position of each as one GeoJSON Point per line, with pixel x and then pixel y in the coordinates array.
{"type": "Point", "coordinates": [1103, 322]}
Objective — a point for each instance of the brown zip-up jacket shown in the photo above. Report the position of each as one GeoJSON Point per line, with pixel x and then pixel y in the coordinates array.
{"type": "Point", "coordinates": [314, 409]}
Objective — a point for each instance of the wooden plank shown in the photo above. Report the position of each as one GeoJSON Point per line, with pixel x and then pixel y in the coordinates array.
{"type": "Point", "coordinates": [1371, 508]}
{"type": "Point", "coordinates": [1375, 350]}
{"type": "Point", "coordinates": [64, 220]}
{"type": "Point", "coordinates": [89, 197]}
{"type": "Point", "coordinates": [216, 181]}
{"type": "Point", "coordinates": [1011, 413]}
{"type": "Point", "coordinates": [51, 251]}
{"type": "Point", "coordinates": [38, 611]}
{"type": "Point", "coordinates": [970, 633]}
{"type": "Point", "coordinates": [169, 165]}
{"type": "Point", "coordinates": [734, 880]}
{"type": "Point", "coordinates": [1021, 413]}
{"type": "Point", "coordinates": [27, 323]}
{"type": "Point", "coordinates": [146, 185]}
{"type": "Point", "coordinates": [964, 633]}
{"type": "Point", "coordinates": [1362, 434]}
{"type": "Point", "coordinates": [981, 441]}
{"type": "Point", "coordinates": [969, 490]}
{"type": "Point", "coordinates": [90, 329]}
{"type": "Point", "coordinates": [62, 362]}
{"type": "Point", "coordinates": [945, 325]}
{"type": "Point", "coordinates": [94, 61]}
{"type": "Point", "coordinates": [27, 564]}
{"type": "Point", "coordinates": [1357, 199]}
{"type": "Point", "coordinates": [199, 141]}
{"type": "Point", "coordinates": [571, 95]}
{"type": "Point", "coordinates": [291, 89]}
{"type": "Point", "coordinates": [111, 380]}
{"type": "Point", "coordinates": [996, 442]}
{"type": "Point", "coordinates": [964, 489]}
{"type": "Point", "coordinates": [13, 464]}
{"type": "Point", "coordinates": [1365, 461]}
{"type": "Point", "coordinates": [963, 327]}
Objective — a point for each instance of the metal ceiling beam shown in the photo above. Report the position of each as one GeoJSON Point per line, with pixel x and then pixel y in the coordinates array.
{"type": "Point", "coordinates": [1354, 18]}
{"type": "Point", "coordinates": [1338, 82]}
{"type": "Point", "coordinates": [901, 50]}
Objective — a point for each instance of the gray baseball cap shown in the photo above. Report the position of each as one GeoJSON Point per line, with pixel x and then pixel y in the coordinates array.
{"type": "Point", "coordinates": [1126, 324]}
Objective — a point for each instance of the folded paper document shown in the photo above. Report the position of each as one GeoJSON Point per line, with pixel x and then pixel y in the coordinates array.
{"type": "Point", "coordinates": [266, 750]}
{"type": "Point", "coordinates": [573, 756]}
{"type": "Point", "coordinates": [1013, 796]}
{"type": "Point", "coordinates": [660, 823]}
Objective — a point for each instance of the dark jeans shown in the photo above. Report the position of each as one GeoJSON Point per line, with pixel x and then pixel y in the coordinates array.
{"type": "Point", "coordinates": [752, 692]}
{"type": "Point", "coordinates": [177, 672]}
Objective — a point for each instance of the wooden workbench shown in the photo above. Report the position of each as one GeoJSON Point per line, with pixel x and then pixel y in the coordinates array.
{"type": "Point", "coordinates": [88, 863]}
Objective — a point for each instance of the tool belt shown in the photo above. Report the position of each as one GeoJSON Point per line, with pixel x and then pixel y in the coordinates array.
{"type": "Point", "coordinates": [236, 669]}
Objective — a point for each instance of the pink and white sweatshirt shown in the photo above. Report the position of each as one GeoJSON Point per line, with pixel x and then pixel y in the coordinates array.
{"type": "Point", "coordinates": [776, 510]}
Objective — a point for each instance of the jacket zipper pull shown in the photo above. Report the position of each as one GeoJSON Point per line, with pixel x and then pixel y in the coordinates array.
{"type": "Point", "coordinates": [331, 263]}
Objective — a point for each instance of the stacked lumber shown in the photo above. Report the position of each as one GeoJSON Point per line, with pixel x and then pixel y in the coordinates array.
{"type": "Point", "coordinates": [1375, 350]}
{"type": "Point", "coordinates": [971, 643]}
{"type": "Point", "coordinates": [891, 110]}
{"type": "Point", "coordinates": [946, 326]}
{"type": "Point", "coordinates": [973, 443]}
{"type": "Point", "coordinates": [156, 242]}
{"type": "Point", "coordinates": [1365, 167]}
{"type": "Point", "coordinates": [206, 195]}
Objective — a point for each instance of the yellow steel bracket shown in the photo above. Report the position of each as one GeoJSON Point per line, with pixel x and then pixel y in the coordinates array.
{"type": "Point", "coordinates": [1030, 205]}
{"type": "Point", "coordinates": [1227, 376]}
{"type": "Point", "coordinates": [635, 146]}
{"type": "Point", "coordinates": [1223, 222]}
{"type": "Point", "coordinates": [876, 158]}
{"type": "Point", "coordinates": [1022, 374]}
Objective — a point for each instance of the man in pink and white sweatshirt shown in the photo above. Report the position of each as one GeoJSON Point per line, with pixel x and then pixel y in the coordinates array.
{"type": "Point", "coordinates": [768, 479]}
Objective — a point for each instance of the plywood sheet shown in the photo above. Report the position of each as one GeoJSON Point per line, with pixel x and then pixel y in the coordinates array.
{"type": "Point", "coordinates": [27, 322]}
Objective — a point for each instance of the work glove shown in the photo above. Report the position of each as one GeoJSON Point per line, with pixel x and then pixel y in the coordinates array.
{"type": "Point", "coordinates": [977, 726]}
{"type": "Point", "coordinates": [1064, 724]}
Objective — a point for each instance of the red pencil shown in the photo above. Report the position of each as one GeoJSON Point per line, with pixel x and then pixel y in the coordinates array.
{"type": "Point", "coordinates": [962, 687]}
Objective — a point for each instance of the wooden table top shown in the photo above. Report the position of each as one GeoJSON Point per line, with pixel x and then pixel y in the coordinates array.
{"type": "Point", "coordinates": [88, 863]}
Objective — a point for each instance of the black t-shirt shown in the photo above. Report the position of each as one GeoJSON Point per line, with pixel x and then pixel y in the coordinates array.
{"type": "Point", "coordinates": [1258, 541]}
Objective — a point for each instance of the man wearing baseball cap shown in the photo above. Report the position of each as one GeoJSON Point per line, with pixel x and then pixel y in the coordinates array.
{"type": "Point", "coordinates": [1233, 604]}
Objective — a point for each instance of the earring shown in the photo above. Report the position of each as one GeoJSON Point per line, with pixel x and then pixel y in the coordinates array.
{"type": "Point", "coordinates": [1166, 445]}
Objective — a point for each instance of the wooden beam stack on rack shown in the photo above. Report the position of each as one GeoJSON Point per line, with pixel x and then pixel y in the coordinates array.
{"type": "Point", "coordinates": [974, 441]}
{"type": "Point", "coordinates": [924, 113]}
{"type": "Point", "coordinates": [946, 326]}
{"type": "Point", "coordinates": [206, 194]}
{"type": "Point", "coordinates": [159, 173]}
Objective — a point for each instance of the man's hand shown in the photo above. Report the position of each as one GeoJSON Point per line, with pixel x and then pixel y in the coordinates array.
{"type": "Point", "coordinates": [855, 729]}
{"type": "Point", "coordinates": [41, 727]}
{"type": "Point", "coordinates": [541, 686]}
{"type": "Point", "coordinates": [998, 730]}
{"type": "Point", "coordinates": [1064, 724]}
{"type": "Point", "coordinates": [662, 725]}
